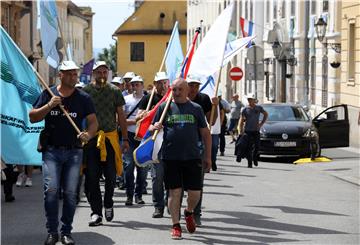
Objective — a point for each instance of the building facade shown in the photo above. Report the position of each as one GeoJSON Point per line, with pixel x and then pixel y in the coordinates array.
{"type": "Point", "coordinates": [350, 66]}
{"type": "Point", "coordinates": [142, 39]}
{"type": "Point", "coordinates": [19, 19]}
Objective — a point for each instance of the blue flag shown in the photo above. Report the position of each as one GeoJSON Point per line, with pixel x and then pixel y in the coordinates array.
{"type": "Point", "coordinates": [19, 90]}
{"type": "Point", "coordinates": [49, 32]}
{"type": "Point", "coordinates": [174, 57]}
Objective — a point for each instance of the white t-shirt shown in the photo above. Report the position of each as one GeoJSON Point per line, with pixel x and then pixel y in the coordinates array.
{"type": "Point", "coordinates": [130, 102]}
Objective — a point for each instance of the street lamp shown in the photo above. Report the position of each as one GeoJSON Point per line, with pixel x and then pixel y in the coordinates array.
{"type": "Point", "coordinates": [276, 47]}
{"type": "Point", "coordinates": [320, 28]}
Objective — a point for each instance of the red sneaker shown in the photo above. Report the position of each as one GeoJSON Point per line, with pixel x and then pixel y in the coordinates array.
{"type": "Point", "coordinates": [176, 233]}
{"type": "Point", "coordinates": [190, 223]}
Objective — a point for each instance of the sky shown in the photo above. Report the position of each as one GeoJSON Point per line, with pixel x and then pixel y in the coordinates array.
{"type": "Point", "coordinates": [109, 15]}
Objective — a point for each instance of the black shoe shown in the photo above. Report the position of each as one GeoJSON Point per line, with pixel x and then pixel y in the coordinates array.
{"type": "Point", "coordinates": [109, 214]}
{"type": "Point", "coordinates": [67, 239]}
{"type": "Point", "coordinates": [256, 163]}
{"type": "Point", "coordinates": [51, 239]}
{"type": "Point", "coordinates": [96, 220]}
{"type": "Point", "coordinates": [222, 154]}
{"type": "Point", "coordinates": [139, 200]}
{"type": "Point", "coordinates": [9, 198]}
{"type": "Point", "coordinates": [129, 201]}
{"type": "Point", "coordinates": [158, 213]}
{"type": "Point", "coordinates": [213, 166]}
{"type": "Point", "coordinates": [122, 186]}
{"type": "Point", "coordinates": [238, 158]}
{"type": "Point", "coordinates": [197, 219]}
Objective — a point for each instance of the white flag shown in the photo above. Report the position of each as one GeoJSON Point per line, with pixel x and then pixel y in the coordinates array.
{"type": "Point", "coordinates": [208, 57]}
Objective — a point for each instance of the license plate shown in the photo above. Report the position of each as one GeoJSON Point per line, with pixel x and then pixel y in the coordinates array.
{"type": "Point", "coordinates": [285, 144]}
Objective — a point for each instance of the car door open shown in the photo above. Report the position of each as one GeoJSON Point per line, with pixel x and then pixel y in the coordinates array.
{"type": "Point", "coordinates": [333, 127]}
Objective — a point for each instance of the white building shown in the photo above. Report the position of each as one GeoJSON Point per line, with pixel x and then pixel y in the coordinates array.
{"type": "Point", "coordinates": [207, 11]}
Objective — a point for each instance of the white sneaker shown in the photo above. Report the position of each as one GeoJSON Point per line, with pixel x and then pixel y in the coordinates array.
{"type": "Point", "coordinates": [20, 180]}
{"type": "Point", "coordinates": [28, 182]}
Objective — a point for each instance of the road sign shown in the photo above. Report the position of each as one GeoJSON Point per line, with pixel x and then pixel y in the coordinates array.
{"type": "Point", "coordinates": [255, 54]}
{"type": "Point", "coordinates": [236, 73]}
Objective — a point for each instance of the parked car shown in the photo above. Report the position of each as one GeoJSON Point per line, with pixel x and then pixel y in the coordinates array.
{"type": "Point", "coordinates": [289, 131]}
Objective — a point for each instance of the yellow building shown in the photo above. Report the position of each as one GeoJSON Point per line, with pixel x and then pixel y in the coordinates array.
{"type": "Point", "coordinates": [350, 66]}
{"type": "Point", "coordinates": [143, 37]}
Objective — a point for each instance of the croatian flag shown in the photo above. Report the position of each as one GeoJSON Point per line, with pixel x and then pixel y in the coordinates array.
{"type": "Point", "coordinates": [246, 27]}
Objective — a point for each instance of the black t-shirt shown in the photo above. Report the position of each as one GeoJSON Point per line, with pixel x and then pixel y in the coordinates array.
{"type": "Point", "coordinates": [204, 101]}
{"type": "Point", "coordinates": [78, 105]}
{"type": "Point", "coordinates": [181, 131]}
{"type": "Point", "coordinates": [145, 100]}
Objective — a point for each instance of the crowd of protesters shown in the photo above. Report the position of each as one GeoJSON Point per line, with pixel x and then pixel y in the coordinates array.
{"type": "Point", "coordinates": [101, 147]}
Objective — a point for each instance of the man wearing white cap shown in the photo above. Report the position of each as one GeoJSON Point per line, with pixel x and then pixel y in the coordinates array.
{"type": "Point", "coordinates": [127, 78]}
{"type": "Point", "coordinates": [103, 153]}
{"type": "Point", "coordinates": [62, 155]}
{"type": "Point", "coordinates": [131, 107]}
{"type": "Point", "coordinates": [250, 117]}
{"type": "Point", "coordinates": [119, 82]}
{"type": "Point", "coordinates": [161, 82]}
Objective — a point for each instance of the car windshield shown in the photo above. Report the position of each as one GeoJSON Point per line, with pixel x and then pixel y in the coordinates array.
{"type": "Point", "coordinates": [285, 113]}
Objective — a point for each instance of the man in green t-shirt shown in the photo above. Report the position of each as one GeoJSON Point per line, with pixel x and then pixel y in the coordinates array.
{"type": "Point", "coordinates": [103, 154]}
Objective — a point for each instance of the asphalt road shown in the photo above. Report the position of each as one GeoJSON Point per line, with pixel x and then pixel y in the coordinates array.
{"type": "Point", "coordinates": [275, 203]}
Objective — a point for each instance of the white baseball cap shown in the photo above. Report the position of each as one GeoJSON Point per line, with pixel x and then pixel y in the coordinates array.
{"type": "Point", "coordinates": [137, 79]}
{"type": "Point", "coordinates": [193, 79]}
{"type": "Point", "coordinates": [129, 74]}
{"type": "Point", "coordinates": [68, 65]}
{"type": "Point", "coordinates": [117, 80]}
{"type": "Point", "coordinates": [99, 63]}
{"type": "Point", "coordinates": [251, 96]}
{"type": "Point", "coordinates": [160, 76]}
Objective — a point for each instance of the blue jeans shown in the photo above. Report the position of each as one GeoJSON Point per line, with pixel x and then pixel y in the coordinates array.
{"type": "Point", "coordinates": [157, 175]}
{"type": "Point", "coordinates": [214, 147]}
{"type": "Point", "coordinates": [129, 167]}
{"type": "Point", "coordinates": [61, 167]}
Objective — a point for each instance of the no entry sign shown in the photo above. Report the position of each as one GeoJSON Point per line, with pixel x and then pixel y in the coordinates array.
{"type": "Point", "coordinates": [236, 73]}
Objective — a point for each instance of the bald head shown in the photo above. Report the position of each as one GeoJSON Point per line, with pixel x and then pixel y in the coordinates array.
{"type": "Point", "coordinates": [180, 90]}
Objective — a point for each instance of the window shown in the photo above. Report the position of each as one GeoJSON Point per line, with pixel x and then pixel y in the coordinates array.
{"type": "Point", "coordinates": [324, 91]}
{"type": "Point", "coordinates": [313, 6]}
{"type": "Point", "coordinates": [325, 5]}
{"type": "Point", "coordinates": [251, 10]}
{"type": "Point", "coordinates": [137, 51]}
{"type": "Point", "coordinates": [351, 52]}
{"type": "Point", "coordinates": [313, 79]}
{"type": "Point", "coordinates": [283, 9]}
{"type": "Point", "coordinates": [292, 8]}
{"type": "Point", "coordinates": [267, 11]}
{"type": "Point", "coordinates": [275, 9]}
{"type": "Point", "coordinates": [246, 9]}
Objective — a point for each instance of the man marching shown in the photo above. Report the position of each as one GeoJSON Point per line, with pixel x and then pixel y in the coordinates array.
{"type": "Point", "coordinates": [183, 125]}
{"type": "Point", "coordinates": [103, 154]}
{"type": "Point", "coordinates": [63, 153]}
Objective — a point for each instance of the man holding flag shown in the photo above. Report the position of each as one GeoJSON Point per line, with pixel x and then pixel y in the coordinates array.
{"type": "Point", "coordinates": [183, 125]}
{"type": "Point", "coordinates": [62, 154]}
{"type": "Point", "coordinates": [161, 82]}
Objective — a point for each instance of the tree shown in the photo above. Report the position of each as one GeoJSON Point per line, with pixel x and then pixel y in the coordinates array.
{"type": "Point", "coordinates": [109, 56]}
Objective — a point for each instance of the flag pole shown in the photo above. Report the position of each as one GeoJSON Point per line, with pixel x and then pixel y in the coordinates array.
{"type": "Point", "coordinates": [212, 114]}
{"type": "Point", "coordinates": [161, 66]}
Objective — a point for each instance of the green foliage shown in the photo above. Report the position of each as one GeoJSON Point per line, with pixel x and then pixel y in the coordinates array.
{"type": "Point", "coordinates": [109, 56]}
